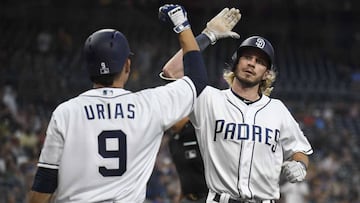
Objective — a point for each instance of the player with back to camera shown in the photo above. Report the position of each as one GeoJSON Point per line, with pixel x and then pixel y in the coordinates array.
{"type": "Point", "coordinates": [183, 143]}
{"type": "Point", "coordinates": [101, 145]}
{"type": "Point", "coordinates": [247, 139]}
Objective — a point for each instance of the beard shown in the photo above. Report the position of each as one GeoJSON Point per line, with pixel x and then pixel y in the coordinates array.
{"type": "Point", "coordinates": [248, 83]}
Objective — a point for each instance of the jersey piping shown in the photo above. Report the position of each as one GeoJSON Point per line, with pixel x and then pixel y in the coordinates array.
{"type": "Point", "coordinates": [47, 165]}
{"type": "Point", "coordinates": [193, 103]}
{"type": "Point", "coordinates": [107, 97]}
{"type": "Point", "coordinates": [241, 146]}
{"type": "Point", "coordinates": [252, 153]}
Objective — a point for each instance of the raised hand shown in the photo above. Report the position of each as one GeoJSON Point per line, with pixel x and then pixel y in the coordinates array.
{"type": "Point", "coordinates": [175, 15]}
{"type": "Point", "coordinates": [221, 25]}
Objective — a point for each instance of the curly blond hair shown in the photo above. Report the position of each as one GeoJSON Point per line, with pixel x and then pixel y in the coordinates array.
{"type": "Point", "coordinates": [265, 85]}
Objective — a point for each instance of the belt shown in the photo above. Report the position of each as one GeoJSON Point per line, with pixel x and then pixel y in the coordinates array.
{"type": "Point", "coordinates": [217, 199]}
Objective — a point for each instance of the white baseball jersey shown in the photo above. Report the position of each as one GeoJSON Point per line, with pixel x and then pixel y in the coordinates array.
{"type": "Point", "coordinates": [105, 141]}
{"type": "Point", "coordinates": [243, 146]}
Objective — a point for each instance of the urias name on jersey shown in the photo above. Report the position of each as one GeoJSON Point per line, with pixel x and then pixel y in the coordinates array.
{"type": "Point", "coordinates": [109, 111]}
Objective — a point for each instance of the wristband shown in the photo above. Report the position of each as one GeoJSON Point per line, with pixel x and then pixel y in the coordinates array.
{"type": "Point", "coordinates": [210, 35]}
{"type": "Point", "coordinates": [203, 41]}
{"type": "Point", "coordinates": [183, 26]}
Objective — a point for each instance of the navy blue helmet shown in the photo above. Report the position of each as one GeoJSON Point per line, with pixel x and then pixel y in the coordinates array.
{"type": "Point", "coordinates": [106, 51]}
{"type": "Point", "coordinates": [255, 42]}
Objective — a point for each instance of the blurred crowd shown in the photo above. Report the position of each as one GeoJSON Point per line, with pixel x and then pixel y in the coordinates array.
{"type": "Point", "coordinates": [41, 66]}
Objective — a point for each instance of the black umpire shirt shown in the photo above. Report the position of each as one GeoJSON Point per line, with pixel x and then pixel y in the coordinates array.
{"type": "Point", "coordinates": [187, 158]}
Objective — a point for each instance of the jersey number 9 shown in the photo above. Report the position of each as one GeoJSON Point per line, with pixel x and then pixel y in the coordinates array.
{"type": "Point", "coordinates": [119, 153]}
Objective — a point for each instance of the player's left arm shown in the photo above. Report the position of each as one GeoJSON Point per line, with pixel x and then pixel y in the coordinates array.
{"type": "Point", "coordinates": [44, 185]}
{"type": "Point", "coordinates": [296, 149]}
{"type": "Point", "coordinates": [38, 197]}
{"type": "Point", "coordinates": [295, 170]}
{"type": "Point", "coordinates": [301, 157]}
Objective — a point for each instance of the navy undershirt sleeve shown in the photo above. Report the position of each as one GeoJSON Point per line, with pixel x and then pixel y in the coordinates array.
{"type": "Point", "coordinates": [194, 68]}
{"type": "Point", "coordinates": [45, 180]}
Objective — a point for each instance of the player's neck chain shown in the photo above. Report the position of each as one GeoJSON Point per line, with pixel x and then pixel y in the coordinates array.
{"type": "Point", "coordinates": [246, 101]}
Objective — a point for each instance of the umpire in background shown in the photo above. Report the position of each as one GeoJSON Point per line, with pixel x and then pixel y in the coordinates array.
{"type": "Point", "coordinates": [189, 164]}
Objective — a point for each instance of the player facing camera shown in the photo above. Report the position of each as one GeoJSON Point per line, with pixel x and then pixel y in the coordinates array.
{"type": "Point", "coordinates": [263, 52]}
{"type": "Point", "coordinates": [255, 43]}
{"type": "Point", "coordinates": [239, 123]}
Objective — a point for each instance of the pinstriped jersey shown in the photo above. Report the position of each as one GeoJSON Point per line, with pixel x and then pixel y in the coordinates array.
{"type": "Point", "coordinates": [244, 145]}
{"type": "Point", "coordinates": [105, 141]}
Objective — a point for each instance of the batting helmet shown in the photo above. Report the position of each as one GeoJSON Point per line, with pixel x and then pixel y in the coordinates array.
{"type": "Point", "coordinates": [106, 51]}
{"type": "Point", "coordinates": [255, 42]}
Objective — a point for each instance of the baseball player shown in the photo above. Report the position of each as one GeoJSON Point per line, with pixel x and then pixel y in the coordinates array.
{"type": "Point", "coordinates": [183, 143]}
{"type": "Point", "coordinates": [101, 145]}
{"type": "Point", "coordinates": [247, 139]}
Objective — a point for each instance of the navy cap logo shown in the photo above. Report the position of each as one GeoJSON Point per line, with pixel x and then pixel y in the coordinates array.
{"type": "Point", "coordinates": [260, 42]}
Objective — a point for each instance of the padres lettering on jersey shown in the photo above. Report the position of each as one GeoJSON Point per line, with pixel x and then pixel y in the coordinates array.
{"type": "Point", "coordinates": [243, 146]}
{"type": "Point", "coordinates": [244, 131]}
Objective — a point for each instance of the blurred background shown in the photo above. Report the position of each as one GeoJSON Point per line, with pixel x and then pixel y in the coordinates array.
{"type": "Point", "coordinates": [317, 47]}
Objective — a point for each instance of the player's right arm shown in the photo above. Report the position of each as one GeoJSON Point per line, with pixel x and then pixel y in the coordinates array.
{"type": "Point", "coordinates": [217, 28]}
{"type": "Point", "coordinates": [46, 177]}
{"type": "Point", "coordinates": [194, 66]}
